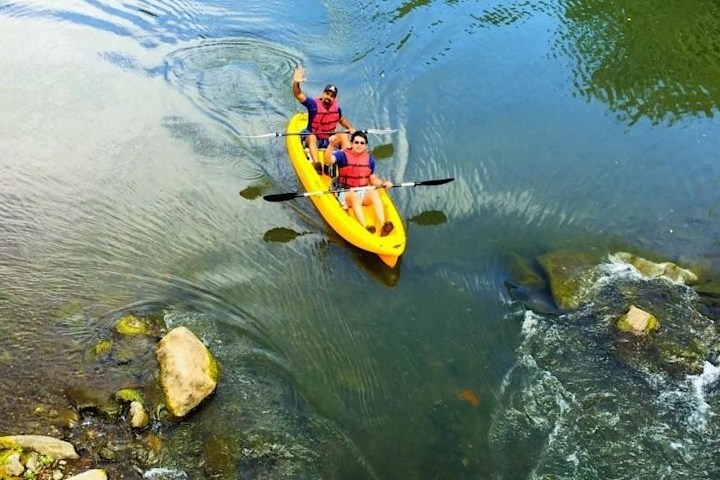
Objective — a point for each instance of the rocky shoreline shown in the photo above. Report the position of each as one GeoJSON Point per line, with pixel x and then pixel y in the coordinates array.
{"type": "Point", "coordinates": [104, 430]}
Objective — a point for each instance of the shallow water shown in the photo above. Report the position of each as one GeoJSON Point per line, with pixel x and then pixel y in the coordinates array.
{"type": "Point", "coordinates": [579, 124]}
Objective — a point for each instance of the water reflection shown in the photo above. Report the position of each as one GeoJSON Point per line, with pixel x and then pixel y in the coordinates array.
{"type": "Point", "coordinates": [151, 24]}
{"type": "Point", "coordinates": [429, 217]}
{"type": "Point", "coordinates": [661, 67]}
{"type": "Point", "coordinates": [371, 263]}
{"type": "Point", "coordinates": [155, 22]}
{"type": "Point", "coordinates": [384, 151]}
{"type": "Point", "coordinates": [281, 235]}
{"type": "Point", "coordinates": [252, 192]}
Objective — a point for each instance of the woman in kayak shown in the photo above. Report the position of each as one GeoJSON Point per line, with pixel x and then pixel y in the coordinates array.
{"type": "Point", "coordinates": [356, 168]}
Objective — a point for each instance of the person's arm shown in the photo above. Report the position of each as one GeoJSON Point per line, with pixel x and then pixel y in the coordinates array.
{"type": "Point", "coordinates": [346, 124]}
{"type": "Point", "coordinates": [376, 182]}
{"type": "Point", "coordinates": [330, 157]}
{"type": "Point", "coordinates": [374, 179]}
{"type": "Point", "coordinates": [298, 77]}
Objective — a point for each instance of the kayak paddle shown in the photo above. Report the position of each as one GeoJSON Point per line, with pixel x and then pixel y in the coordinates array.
{"type": "Point", "coordinates": [282, 197]}
{"type": "Point", "coordinates": [375, 131]}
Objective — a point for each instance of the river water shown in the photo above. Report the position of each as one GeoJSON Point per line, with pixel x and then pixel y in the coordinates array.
{"type": "Point", "coordinates": [566, 124]}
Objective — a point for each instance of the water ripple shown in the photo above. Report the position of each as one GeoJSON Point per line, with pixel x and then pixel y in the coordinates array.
{"type": "Point", "coordinates": [230, 81]}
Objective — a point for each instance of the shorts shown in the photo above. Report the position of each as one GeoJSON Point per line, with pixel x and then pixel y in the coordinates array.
{"type": "Point", "coordinates": [341, 197]}
{"type": "Point", "coordinates": [321, 143]}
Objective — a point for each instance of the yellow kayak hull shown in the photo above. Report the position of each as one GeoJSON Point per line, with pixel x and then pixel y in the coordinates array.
{"type": "Point", "coordinates": [388, 248]}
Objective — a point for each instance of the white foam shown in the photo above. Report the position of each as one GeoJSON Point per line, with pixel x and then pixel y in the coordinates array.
{"type": "Point", "coordinates": [165, 474]}
{"type": "Point", "coordinates": [530, 324]}
{"type": "Point", "coordinates": [699, 384]}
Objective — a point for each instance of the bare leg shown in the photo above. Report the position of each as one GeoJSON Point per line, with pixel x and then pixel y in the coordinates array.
{"type": "Point", "coordinates": [311, 142]}
{"type": "Point", "coordinates": [385, 227]}
{"type": "Point", "coordinates": [372, 196]}
{"type": "Point", "coordinates": [351, 198]}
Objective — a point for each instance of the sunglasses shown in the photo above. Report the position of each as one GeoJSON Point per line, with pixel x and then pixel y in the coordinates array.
{"type": "Point", "coordinates": [355, 142]}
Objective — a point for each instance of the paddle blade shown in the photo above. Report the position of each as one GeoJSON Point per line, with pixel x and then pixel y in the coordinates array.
{"type": "Point", "coordinates": [281, 197]}
{"type": "Point", "coordinates": [263, 135]}
{"type": "Point", "coordinates": [435, 182]}
{"type": "Point", "coordinates": [381, 131]}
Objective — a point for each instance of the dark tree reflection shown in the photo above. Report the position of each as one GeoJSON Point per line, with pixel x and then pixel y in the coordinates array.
{"type": "Point", "coordinates": [650, 59]}
{"type": "Point", "coordinates": [658, 60]}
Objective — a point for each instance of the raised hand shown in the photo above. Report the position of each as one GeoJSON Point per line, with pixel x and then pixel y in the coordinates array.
{"type": "Point", "coordinates": [299, 75]}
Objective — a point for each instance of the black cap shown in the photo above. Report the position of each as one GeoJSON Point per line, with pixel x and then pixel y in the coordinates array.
{"type": "Point", "coordinates": [358, 133]}
{"type": "Point", "coordinates": [331, 88]}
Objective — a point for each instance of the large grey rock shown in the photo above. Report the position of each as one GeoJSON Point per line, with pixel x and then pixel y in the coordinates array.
{"type": "Point", "coordinates": [188, 371]}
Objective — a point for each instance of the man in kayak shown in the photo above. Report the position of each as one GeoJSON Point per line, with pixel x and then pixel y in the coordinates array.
{"type": "Point", "coordinates": [324, 113]}
{"type": "Point", "coordinates": [356, 168]}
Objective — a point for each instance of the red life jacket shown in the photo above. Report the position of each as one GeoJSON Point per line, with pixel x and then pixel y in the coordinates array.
{"type": "Point", "coordinates": [325, 119]}
{"type": "Point", "coordinates": [357, 171]}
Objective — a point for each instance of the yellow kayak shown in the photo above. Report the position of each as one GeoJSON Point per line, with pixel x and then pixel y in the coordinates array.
{"type": "Point", "coordinates": [388, 248]}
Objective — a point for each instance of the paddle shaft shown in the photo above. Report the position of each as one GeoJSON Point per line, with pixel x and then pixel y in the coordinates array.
{"type": "Point", "coordinates": [281, 197]}
{"type": "Point", "coordinates": [288, 134]}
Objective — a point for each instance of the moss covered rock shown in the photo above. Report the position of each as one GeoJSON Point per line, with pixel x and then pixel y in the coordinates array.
{"type": "Point", "coordinates": [132, 325]}
{"type": "Point", "coordinates": [570, 274]}
{"type": "Point", "coordinates": [652, 269]}
{"type": "Point", "coordinates": [127, 395]}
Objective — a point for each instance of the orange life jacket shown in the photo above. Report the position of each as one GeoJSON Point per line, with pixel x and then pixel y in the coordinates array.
{"type": "Point", "coordinates": [325, 120]}
{"type": "Point", "coordinates": [357, 171]}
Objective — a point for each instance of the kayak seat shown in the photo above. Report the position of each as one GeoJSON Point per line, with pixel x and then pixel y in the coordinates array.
{"type": "Point", "coordinates": [329, 170]}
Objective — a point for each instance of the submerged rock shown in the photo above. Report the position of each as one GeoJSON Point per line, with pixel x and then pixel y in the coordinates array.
{"type": "Point", "coordinates": [132, 325]}
{"type": "Point", "coordinates": [121, 377]}
{"type": "Point", "coordinates": [524, 273]}
{"type": "Point", "coordinates": [570, 275]}
{"type": "Point", "coordinates": [220, 453]}
{"type": "Point", "coordinates": [96, 398]}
